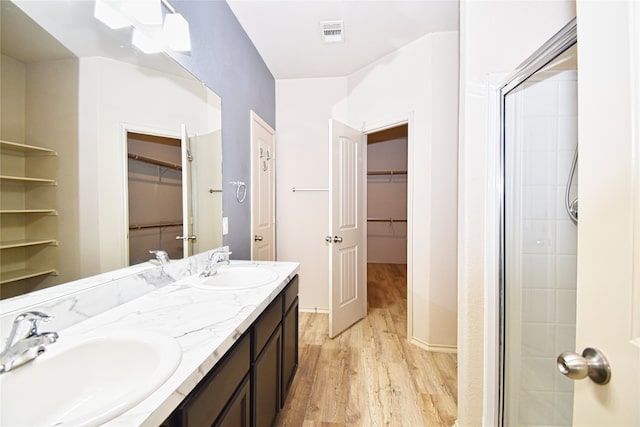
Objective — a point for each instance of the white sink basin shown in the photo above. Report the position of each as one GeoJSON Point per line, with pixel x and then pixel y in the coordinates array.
{"type": "Point", "coordinates": [88, 380]}
{"type": "Point", "coordinates": [237, 277]}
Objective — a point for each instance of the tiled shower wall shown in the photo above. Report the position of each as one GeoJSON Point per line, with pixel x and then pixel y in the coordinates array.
{"type": "Point", "coordinates": [547, 245]}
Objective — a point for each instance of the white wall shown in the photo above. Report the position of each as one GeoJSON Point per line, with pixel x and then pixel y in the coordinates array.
{"type": "Point", "coordinates": [418, 80]}
{"type": "Point", "coordinates": [303, 109]}
{"type": "Point", "coordinates": [421, 79]}
{"type": "Point", "coordinates": [114, 95]}
{"type": "Point", "coordinates": [495, 37]}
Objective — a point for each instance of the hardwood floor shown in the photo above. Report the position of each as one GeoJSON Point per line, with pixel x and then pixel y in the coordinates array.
{"type": "Point", "coordinates": [370, 375]}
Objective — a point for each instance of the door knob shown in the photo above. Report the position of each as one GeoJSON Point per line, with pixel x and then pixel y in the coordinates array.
{"type": "Point", "coordinates": [185, 238]}
{"type": "Point", "coordinates": [257, 238]}
{"type": "Point", "coordinates": [328, 239]}
{"type": "Point", "coordinates": [591, 364]}
{"type": "Point", "coordinates": [337, 239]}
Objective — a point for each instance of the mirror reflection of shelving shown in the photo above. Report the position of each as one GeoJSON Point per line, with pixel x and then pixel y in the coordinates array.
{"type": "Point", "coordinates": [28, 209]}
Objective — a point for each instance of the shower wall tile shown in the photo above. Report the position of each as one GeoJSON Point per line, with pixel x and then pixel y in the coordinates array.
{"type": "Point", "coordinates": [538, 237]}
{"type": "Point", "coordinates": [538, 202]}
{"type": "Point", "coordinates": [539, 168]}
{"type": "Point", "coordinates": [538, 305]}
{"type": "Point", "coordinates": [538, 340]}
{"type": "Point", "coordinates": [539, 133]}
{"type": "Point", "coordinates": [563, 409]}
{"type": "Point", "coordinates": [541, 100]}
{"type": "Point", "coordinates": [566, 307]}
{"type": "Point", "coordinates": [538, 271]}
{"type": "Point", "coordinates": [566, 271]}
{"type": "Point", "coordinates": [537, 374]}
{"type": "Point", "coordinates": [536, 408]}
{"type": "Point", "coordinates": [566, 237]}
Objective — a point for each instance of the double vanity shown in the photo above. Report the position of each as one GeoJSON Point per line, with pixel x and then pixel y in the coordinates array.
{"type": "Point", "coordinates": [152, 345]}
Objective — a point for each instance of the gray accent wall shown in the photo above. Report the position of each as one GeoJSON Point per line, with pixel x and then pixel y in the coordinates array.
{"type": "Point", "coordinates": [224, 58]}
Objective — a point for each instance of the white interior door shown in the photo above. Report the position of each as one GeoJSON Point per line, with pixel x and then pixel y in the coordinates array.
{"type": "Point", "coordinates": [206, 188]}
{"type": "Point", "coordinates": [347, 287]}
{"type": "Point", "coordinates": [608, 297]}
{"type": "Point", "coordinates": [263, 229]}
{"type": "Point", "coordinates": [187, 215]}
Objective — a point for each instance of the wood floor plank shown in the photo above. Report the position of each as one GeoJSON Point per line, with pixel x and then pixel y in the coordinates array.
{"type": "Point", "coordinates": [370, 375]}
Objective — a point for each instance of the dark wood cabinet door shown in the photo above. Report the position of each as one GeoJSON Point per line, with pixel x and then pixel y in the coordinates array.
{"type": "Point", "coordinates": [266, 382]}
{"type": "Point", "coordinates": [238, 411]}
{"type": "Point", "coordinates": [289, 348]}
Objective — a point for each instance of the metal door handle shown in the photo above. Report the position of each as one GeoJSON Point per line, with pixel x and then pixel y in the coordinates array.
{"type": "Point", "coordinates": [328, 239]}
{"type": "Point", "coordinates": [337, 239]}
{"type": "Point", "coordinates": [257, 238]}
{"type": "Point", "coordinates": [591, 364]}
{"type": "Point", "coordinates": [192, 237]}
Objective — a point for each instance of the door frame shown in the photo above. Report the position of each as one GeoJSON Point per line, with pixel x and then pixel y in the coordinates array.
{"type": "Point", "coordinates": [126, 128]}
{"type": "Point", "coordinates": [377, 126]}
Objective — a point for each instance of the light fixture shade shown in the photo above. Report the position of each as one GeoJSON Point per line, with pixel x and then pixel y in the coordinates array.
{"type": "Point", "coordinates": [146, 12]}
{"type": "Point", "coordinates": [145, 43]}
{"type": "Point", "coordinates": [176, 32]}
{"type": "Point", "coordinates": [110, 16]}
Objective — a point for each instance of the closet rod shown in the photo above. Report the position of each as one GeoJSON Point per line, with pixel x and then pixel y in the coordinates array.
{"type": "Point", "coordinates": [158, 225]}
{"type": "Point", "coordinates": [294, 189]}
{"type": "Point", "coordinates": [155, 161]}
{"type": "Point", "coordinates": [386, 172]}
{"type": "Point", "coordinates": [391, 220]}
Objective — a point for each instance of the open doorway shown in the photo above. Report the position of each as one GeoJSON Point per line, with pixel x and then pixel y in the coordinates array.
{"type": "Point", "coordinates": [387, 162]}
{"type": "Point", "coordinates": [155, 196]}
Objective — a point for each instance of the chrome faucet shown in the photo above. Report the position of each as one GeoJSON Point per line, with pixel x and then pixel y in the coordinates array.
{"type": "Point", "coordinates": [161, 256]}
{"type": "Point", "coordinates": [25, 345]}
{"type": "Point", "coordinates": [216, 258]}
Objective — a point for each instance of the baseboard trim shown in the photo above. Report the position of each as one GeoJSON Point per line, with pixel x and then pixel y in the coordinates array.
{"type": "Point", "coordinates": [315, 310]}
{"type": "Point", "coordinates": [434, 347]}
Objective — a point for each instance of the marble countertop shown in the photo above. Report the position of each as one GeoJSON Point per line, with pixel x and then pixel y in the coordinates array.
{"type": "Point", "coordinates": [205, 323]}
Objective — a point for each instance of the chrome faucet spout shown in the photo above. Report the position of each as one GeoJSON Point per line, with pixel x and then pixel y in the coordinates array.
{"type": "Point", "coordinates": [161, 256]}
{"type": "Point", "coordinates": [216, 258]}
{"type": "Point", "coordinates": [25, 344]}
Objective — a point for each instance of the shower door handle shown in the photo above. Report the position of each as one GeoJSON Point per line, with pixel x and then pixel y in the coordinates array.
{"type": "Point", "coordinates": [591, 364]}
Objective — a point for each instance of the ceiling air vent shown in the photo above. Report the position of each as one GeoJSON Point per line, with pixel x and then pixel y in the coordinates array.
{"type": "Point", "coordinates": [332, 31]}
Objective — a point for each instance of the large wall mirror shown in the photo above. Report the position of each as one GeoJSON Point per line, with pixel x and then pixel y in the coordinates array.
{"type": "Point", "coordinates": [132, 154]}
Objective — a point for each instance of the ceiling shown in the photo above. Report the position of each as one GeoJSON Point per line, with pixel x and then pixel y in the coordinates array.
{"type": "Point", "coordinates": [288, 37]}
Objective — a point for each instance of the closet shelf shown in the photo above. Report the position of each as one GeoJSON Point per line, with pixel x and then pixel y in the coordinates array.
{"type": "Point", "coordinates": [156, 162]}
{"type": "Point", "coordinates": [15, 275]}
{"type": "Point", "coordinates": [29, 211]}
{"type": "Point", "coordinates": [27, 242]}
{"type": "Point", "coordinates": [25, 148]}
{"type": "Point", "coordinates": [27, 180]}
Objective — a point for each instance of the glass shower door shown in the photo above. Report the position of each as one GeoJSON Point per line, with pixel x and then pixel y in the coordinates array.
{"type": "Point", "coordinates": [539, 247]}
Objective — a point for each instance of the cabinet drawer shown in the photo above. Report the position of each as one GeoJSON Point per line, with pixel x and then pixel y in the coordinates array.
{"type": "Point", "coordinates": [290, 294]}
{"type": "Point", "coordinates": [266, 324]}
{"type": "Point", "coordinates": [204, 405]}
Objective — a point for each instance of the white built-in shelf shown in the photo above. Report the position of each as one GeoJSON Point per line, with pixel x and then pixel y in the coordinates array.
{"type": "Point", "coordinates": [27, 180]}
{"type": "Point", "coordinates": [29, 211]}
{"type": "Point", "coordinates": [10, 244]}
{"type": "Point", "coordinates": [15, 275]}
{"type": "Point", "coordinates": [25, 148]}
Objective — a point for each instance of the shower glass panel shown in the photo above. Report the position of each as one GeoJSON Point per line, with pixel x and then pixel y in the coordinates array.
{"type": "Point", "coordinates": [539, 290]}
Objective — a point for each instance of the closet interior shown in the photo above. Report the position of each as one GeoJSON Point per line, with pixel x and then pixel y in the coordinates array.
{"type": "Point", "coordinates": [387, 196]}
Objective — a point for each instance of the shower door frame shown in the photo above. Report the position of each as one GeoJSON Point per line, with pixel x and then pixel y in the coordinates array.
{"type": "Point", "coordinates": [495, 356]}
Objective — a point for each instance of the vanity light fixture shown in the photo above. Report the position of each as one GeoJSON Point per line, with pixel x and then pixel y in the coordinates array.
{"type": "Point", "coordinates": [151, 33]}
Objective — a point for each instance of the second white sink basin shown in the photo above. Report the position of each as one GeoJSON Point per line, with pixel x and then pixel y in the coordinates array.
{"type": "Point", "coordinates": [237, 277]}
{"type": "Point", "coordinates": [89, 380]}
